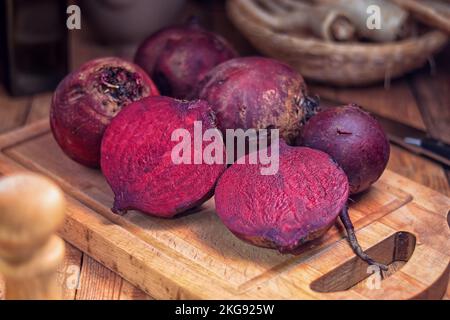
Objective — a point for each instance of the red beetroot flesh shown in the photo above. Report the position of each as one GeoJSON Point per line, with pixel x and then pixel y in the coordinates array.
{"type": "Point", "coordinates": [86, 100]}
{"type": "Point", "coordinates": [298, 204]}
{"type": "Point", "coordinates": [136, 158]}
{"type": "Point", "coordinates": [258, 93]}
{"type": "Point", "coordinates": [178, 57]}
{"type": "Point", "coordinates": [354, 139]}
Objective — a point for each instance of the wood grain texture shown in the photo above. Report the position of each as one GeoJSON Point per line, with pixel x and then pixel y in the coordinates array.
{"type": "Point", "coordinates": [403, 108]}
{"type": "Point", "coordinates": [99, 283]}
{"type": "Point", "coordinates": [419, 169]}
{"type": "Point", "coordinates": [196, 257]}
{"type": "Point", "coordinates": [2, 288]}
{"type": "Point", "coordinates": [69, 272]}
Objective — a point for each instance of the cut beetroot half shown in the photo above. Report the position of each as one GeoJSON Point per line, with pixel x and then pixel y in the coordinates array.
{"type": "Point", "coordinates": [297, 204]}
{"type": "Point", "coordinates": [136, 157]}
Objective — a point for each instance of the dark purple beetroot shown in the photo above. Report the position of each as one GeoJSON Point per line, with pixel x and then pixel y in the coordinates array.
{"type": "Point", "coordinates": [354, 139]}
{"type": "Point", "coordinates": [177, 58]}
{"type": "Point", "coordinates": [258, 93]}
{"type": "Point", "coordinates": [86, 100]}
{"type": "Point", "coordinates": [283, 211]}
{"type": "Point", "coordinates": [136, 157]}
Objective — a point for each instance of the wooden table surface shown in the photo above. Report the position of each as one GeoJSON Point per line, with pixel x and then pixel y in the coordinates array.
{"type": "Point", "coordinates": [420, 100]}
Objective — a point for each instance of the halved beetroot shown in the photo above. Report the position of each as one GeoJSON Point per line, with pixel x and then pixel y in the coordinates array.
{"type": "Point", "coordinates": [282, 211]}
{"type": "Point", "coordinates": [136, 157]}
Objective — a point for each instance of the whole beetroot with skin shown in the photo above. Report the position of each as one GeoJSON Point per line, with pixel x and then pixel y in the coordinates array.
{"type": "Point", "coordinates": [86, 100]}
{"type": "Point", "coordinates": [177, 58]}
{"type": "Point", "coordinates": [258, 93]}
{"type": "Point", "coordinates": [354, 139]}
{"type": "Point", "coordinates": [282, 211]}
{"type": "Point", "coordinates": [137, 157]}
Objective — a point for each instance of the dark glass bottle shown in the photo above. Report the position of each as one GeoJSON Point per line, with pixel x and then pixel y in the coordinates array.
{"type": "Point", "coordinates": [34, 44]}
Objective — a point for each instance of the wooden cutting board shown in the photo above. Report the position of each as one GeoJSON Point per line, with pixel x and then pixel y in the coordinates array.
{"type": "Point", "coordinates": [195, 256]}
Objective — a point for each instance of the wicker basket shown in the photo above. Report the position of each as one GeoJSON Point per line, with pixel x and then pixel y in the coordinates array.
{"type": "Point", "coordinates": [341, 64]}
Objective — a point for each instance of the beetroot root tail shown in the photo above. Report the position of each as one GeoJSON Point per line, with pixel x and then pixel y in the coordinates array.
{"type": "Point", "coordinates": [351, 236]}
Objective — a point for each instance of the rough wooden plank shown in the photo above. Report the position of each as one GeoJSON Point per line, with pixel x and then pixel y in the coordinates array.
{"type": "Point", "coordinates": [97, 282]}
{"type": "Point", "coordinates": [2, 288]}
{"type": "Point", "coordinates": [130, 292]}
{"type": "Point", "coordinates": [69, 272]}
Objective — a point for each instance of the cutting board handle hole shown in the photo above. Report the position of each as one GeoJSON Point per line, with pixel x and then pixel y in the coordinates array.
{"type": "Point", "coordinates": [393, 251]}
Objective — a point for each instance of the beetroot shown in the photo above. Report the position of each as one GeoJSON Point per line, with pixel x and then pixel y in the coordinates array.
{"type": "Point", "coordinates": [137, 157]}
{"type": "Point", "coordinates": [178, 57]}
{"type": "Point", "coordinates": [284, 210]}
{"type": "Point", "coordinates": [258, 93]}
{"type": "Point", "coordinates": [297, 204]}
{"type": "Point", "coordinates": [354, 139]}
{"type": "Point", "coordinates": [86, 100]}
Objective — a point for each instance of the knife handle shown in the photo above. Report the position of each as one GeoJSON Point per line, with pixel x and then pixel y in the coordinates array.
{"type": "Point", "coordinates": [436, 147]}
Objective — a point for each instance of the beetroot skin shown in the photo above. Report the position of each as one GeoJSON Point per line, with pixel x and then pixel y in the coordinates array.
{"type": "Point", "coordinates": [258, 93]}
{"type": "Point", "coordinates": [136, 158]}
{"type": "Point", "coordinates": [178, 57]}
{"type": "Point", "coordinates": [86, 100]}
{"type": "Point", "coordinates": [354, 139]}
{"type": "Point", "coordinates": [297, 204]}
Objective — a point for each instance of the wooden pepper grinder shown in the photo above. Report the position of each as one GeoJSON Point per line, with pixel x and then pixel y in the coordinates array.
{"type": "Point", "coordinates": [31, 210]}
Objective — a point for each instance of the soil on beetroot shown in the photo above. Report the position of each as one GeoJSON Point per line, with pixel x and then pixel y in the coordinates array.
{"type": "Point", "coordinates": [258, 93]}
{"type": "Point", "coordinates": [121, 85]}
{"type": "Point", "coordinates": [136, 157]}
{"type": "Point", "coordinates": [86, 100]}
